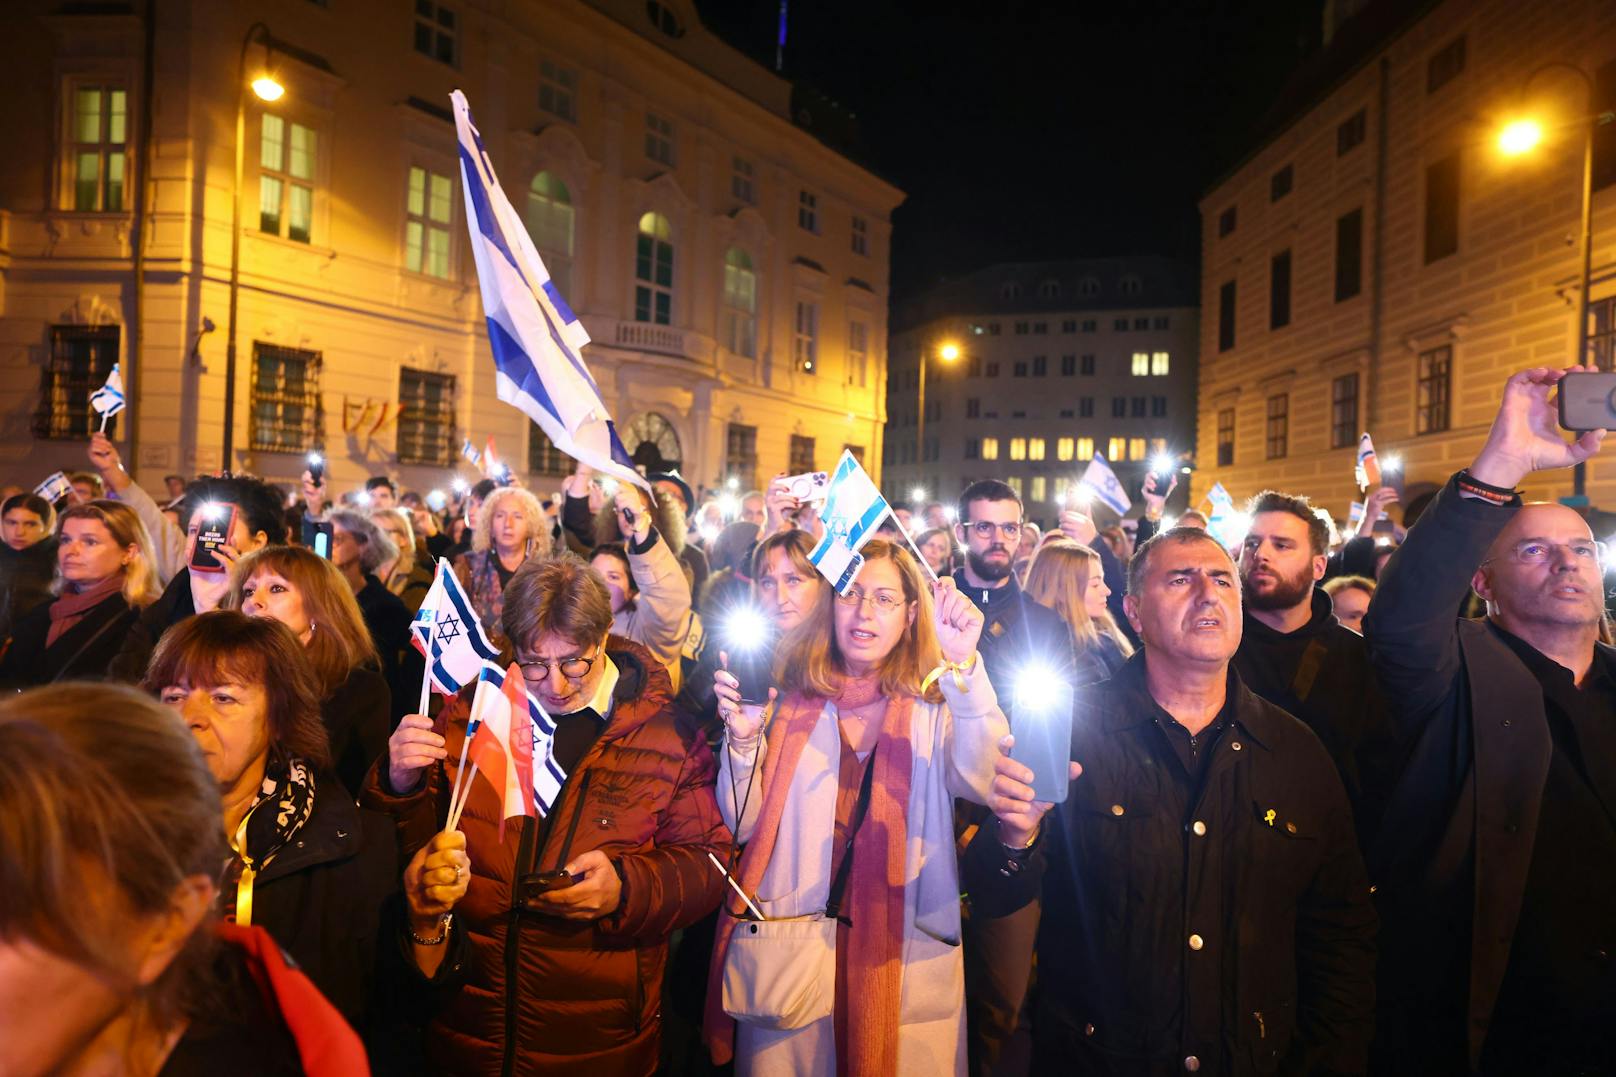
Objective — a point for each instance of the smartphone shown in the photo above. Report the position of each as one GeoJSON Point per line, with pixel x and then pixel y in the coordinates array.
{"type": "Point", "coordinates": [1588, 400]}
{"type": "Point", "coordinates": [809, 486]}
{"type": "Point", "coordinates": [753, 666]}
{"type": "Point", "coordinates": [545, 881]}
{"type": "Point", "coordinates": [1042, 724]}
{"type": "Point", "coordinates": [215, 523]}
{"type": "Point", "coordinates": [316, 468]}
{"type": "Point", "coordinates": [320, 538]}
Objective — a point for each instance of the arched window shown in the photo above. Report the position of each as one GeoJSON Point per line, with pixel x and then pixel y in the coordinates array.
{"type": "Point", "coordinates": [1049, 289]}
{"type": "Point", "coordinates": [1130, 285]}
{"type": "Point", "coordinates": [653, 271]}
{"type": "Point", "coordinates": [1010, 290]}
{"type": "Point", "coordinates": [740, 303]}
{"type": "Point", "coordinates": [1088, 287]}
{"type": "Point", "coordinates": [550, 225]}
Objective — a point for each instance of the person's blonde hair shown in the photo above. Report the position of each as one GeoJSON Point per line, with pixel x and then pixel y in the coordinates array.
{"type": "Point", "coordinates": [538, 524]}
{"type": "Point", "coordinates": [140, 586]}
{"type": "Point", "coordinates": [340, 641]}
{"type": "Point", "coordinates": [1349, 583]}
{"type": "Point", "coordinates": [406, 554]}
{"type": "Point", "coordinates": [1059, 578]}
{"type": "Point", "coordinates": [809, 660]}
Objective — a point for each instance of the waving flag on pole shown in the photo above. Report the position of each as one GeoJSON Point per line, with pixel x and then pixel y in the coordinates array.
{"type": "Point", "coordinates": [537, 340]}
{"type": "Point", "coordinates": [471, 455]}
{"type": "Point", "coordinates": [1102, 484]}
{"type": "Point", "coordinates": [509, 741]}
{"type": "Point", "coordinates": [1225, 524]}
{"type": "Point", "coordinates": [1220, 497]}
{"type": "Point", "coordinates": [447, 632]}
{"type": "Point", "coordinates": [108, 399]}
{"type": "Point", "coordinates": [55, 487]}
{"type": "Point", "coordinates": [853, 509]}
{"type": "Point", "coordinates": [1367, 470]}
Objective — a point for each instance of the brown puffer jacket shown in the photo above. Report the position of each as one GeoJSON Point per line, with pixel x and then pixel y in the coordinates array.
{"type": "Point", "coordinates": [523, 993]}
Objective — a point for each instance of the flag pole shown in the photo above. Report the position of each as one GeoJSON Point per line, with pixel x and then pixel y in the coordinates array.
{"type": "Point", "coordinates": [456, 808]}
{"type": "Point", "coordinates": [104, 418]}
{"type": "Point", "coordinates": [916, 549]}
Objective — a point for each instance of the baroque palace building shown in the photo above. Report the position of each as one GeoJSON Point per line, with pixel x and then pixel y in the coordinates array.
{"type": "Point", "coordinates": [701, 214]}
{"type": "Point", "coordinates": [1378, 263]}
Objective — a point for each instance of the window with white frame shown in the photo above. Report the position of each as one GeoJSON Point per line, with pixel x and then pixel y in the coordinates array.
{"type": "Point", "coordinates": [427, 213]}
{"type": "Point", "coordinates": [740, 303]}
{"type": "Point", "coordinates": [558, 90]}
{"type": "Point", "coordinates": [805, 337]}
{"type": "Point", "coordinates": [659, 138]}
{"type": "Point", "coordinates": [743, 181]}
{"type": "Point", "coordinates": [653, 270]}
{"type": "Point", "coordinates": [861, 236]}
{"type": "Point", "coordinates": [97, 155]}
{"type": "Point", "coordinates": [286, 155]}
{"type": "Point", "coordinates": [437, 30]}
{"type": "Point", "coordinates": [808, 212]}
{"type": "Point", "coordinates": [858, 354]}
{"type": "Point", "coordinates": [550, 225]}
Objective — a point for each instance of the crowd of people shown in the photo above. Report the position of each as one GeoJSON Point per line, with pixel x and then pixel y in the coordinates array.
{"type": "Point", "coordinates": [1334, 804]}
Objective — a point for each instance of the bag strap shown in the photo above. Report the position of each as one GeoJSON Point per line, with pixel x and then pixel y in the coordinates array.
{"type": "Point", "coordinates": [85, 646]}
{"type": "Point", "coordinates": [838, 886]}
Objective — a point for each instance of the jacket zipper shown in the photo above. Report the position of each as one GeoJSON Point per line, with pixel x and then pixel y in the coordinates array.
{"type": "Point", "coordinates": [1262, 1027]}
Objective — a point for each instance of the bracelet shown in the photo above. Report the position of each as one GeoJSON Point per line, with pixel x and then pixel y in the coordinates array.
{"type": "Point", "coordinates": [1015, 852]}
{"type": "Point", "coordinates": [1498, 495]}
{"type": "Point", "coordinates": [443, 932]}
{"type": "Point", "coordinates": [959, 669]}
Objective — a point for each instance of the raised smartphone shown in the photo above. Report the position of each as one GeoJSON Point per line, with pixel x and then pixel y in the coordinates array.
{"type": "Point", "coordinates": [217, 521]}
{"type": "Point", "coordinates": [1588, 400]}
{"type": "Point", "coordinates": [1042, 724]}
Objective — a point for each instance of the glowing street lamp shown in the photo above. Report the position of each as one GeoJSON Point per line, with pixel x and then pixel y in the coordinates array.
{"type": "Point", "coordinates": [947, 351]}
{"type": "Point", "coordinates": [267, 88]}
{"type": "Point", "coordinates": [1520, 136]}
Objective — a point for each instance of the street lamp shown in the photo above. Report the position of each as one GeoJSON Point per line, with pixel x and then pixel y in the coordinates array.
{"type": "Point", "coordinates": [265, 88]}
{"type": "Point", "coordinates": [948, 351]}
{"type": "Point", "coordinates": [1524, 134]}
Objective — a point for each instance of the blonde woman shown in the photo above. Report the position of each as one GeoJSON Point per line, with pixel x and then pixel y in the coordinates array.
{"type": "Point", "coordinates": [1070, 579]}
{"type": "Point", "coordinates": [409, 575]}
{"type": "Point", "coordinates": [104, 578]}
{"type": "Point", "coordinates": [511, 530]}
{"type": "Point", "coordinates": [852, 813]}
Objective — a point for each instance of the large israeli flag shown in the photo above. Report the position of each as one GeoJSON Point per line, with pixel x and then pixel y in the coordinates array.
{"type": "Point", "coordinates": [853, 509]}
{"type": "Point", "coordinates": [1101, 483]}
{"type": "Point", "coordinates": [536, 338]}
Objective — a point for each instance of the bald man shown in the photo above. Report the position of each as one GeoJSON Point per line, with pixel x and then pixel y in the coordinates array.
{"type": "Point", "coordinates": [1496, 863]}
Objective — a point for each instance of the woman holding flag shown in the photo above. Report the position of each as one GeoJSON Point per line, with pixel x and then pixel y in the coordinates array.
{"type": "Point", "coordinates": [851, 887]}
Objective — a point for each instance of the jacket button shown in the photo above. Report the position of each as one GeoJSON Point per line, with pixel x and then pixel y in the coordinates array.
{"type": "Point", "coordinates": [1196, 942]}
{"type": "Point", "coordinates": [1506, 723]}
{"type": "Point", "coordinates": [1116, 809]}
{"type": "Point", "coordinates": [1199, 828]}
{"type": "Point", "coordinates": [1088, 1030]}
{"type": "Point", "coordinates": [1192, 1064]}
{"type": "Point", "coordinates": [1290, 828]}
{"type": "Point", "coordinates": [1234, 747]}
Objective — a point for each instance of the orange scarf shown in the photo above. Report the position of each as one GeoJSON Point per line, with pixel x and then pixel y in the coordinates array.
{"type": "Point", "coordinates": [874, 901]}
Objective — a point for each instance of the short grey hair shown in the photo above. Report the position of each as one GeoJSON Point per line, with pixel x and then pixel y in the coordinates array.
{"type": "Point", "coordinates": [376, 547]}
{"type": "Point", "coordinates": [1178, 536]}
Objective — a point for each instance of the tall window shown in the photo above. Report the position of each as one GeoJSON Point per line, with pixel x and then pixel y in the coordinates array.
{"type": "Point", "coordinates": [1088, 366]}
{"type": "Point", "coordinates": [653, 270]}
{"type": "Point", "coordinates": [1018, 448]}
{"type": "Point", "coordinates": [1137, 448]}
{"type": "Point", "coordinates": [1226, 437]}
{"type": "Point", "coordinates": [802, 454]}
{"type": "Point", "coordinates": [1279, 425]}
{"type": "Point", "coordinates": [1068, 365]}
{"type": "Point", "coordinates": [436, 31]}
{"type": "Point", "coordinates": [740, 303]}
{"type": "Point", "coordinates": [990, 448]}
{"type": "Point", "coordinates": [740, 454]}
{"type": "Point", "coordinates": [1445, 65]}
{"type": "Point", "coordinates": [1035, 448]}
{"type": "Point", "coordinates": [1226, 316]}
{"type": "Point", "coordinates": [743, 181]}
{"type": "Point", "coordinates": [1349, 255]}
{"type": "Point", "coordinates": [1116, 449]}
{"type": "Point", "coordinates": [861, 236]}
{"type": "Point", "coordinates": [858, 354]}
{"type": "Point", "coordinates": [426, 426]}
{"type": "Point", "coordinates": [1085, 448]}
{"type": "Point", "coordinates": [1141, 364]}
{"type": "Point", "coordinates": [1085, 407]}
{"type": "Point", "coordinates": [1350, 134]}
{"type": "Point", "coordinates": [808, 212]}
{"type": "Point", "coordinates": [1344, 411]}
{"type": "Point", "coordinates": [1442, 208]}
{"type": "Point", "coordinates": [558, 90]}
{"type": "Point", "coordinates": [1227, 221]}
{"type": "Point", "coordinates": [96, 152]}
{"type": "Point", "coordinates": [1281, 182]}
{"type": "Point", "coordinates": [426, 227]}
{"type": "Point", "coordinates": [550, 225]}
{"type": "Point", "coordinates": [1160, 362]}
{"type": "Point", "coordinates": [81, 357]}
{"type": "Point", "coordinates": [286, 178]}
{"type": "Point", "coordinates": [659, 139]}
{"type": "Point", "coordinates": [1036, 491]}
{"type": "Point", "coordinates": [543, 458]}
{"type": "Point", "coordinates": [1435, 390]}
{"type": "Point", "coordinates": [1040, 366]}
{"type": "Point", "coordinates": [1119, 407]}
{"type": "Point", "coordinates": [1065, 448]}
{"type": "Point", "coordinates": [805, 337]}
{"type": "Point", "coordinates": [1279, 290]}
{"type": "Point", "coordinates": [1158, 407]}
{"type": "Point", "coordinates": [285, 398]}
{"type": "Point", "coordinates": [1602, 333]}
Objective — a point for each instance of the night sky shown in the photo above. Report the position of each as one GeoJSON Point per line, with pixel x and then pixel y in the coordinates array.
{"type": "Point", "coordinates": [1026, 131]}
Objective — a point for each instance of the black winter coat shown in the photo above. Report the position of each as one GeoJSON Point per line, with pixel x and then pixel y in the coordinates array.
{"type": "Point", "coordinates": [84, 652]}
{"type": "Point", "coordinates": [172, 606]}
{"type": "Point", "coordinates": [25, 581]}
{"type": "Point", "coordinates": [358, 720]}
{"type": "Point", "coordinates": [1234, 927]}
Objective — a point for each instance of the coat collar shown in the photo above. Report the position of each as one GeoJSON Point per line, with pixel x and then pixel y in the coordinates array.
{"type": "Point", "coordinates": [334, 831]}
{"type": "Point", "coordinates": [1134, 705]}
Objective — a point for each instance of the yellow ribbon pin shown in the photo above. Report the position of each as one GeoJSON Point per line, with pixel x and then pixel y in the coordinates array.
{"type": "Point", "coordinates": [1269, 816]}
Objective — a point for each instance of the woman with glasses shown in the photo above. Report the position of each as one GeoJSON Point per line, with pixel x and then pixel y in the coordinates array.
{"type": "Point", "coordinates": [554, 961]}
{"type": "Point", "coordinates": [855, 964]}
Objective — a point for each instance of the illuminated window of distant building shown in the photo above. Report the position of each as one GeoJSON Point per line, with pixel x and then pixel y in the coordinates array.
{"type": "Point", "coordinates": [1064, 448]}
{"type": "Point", "coordinates": [550, 226]}
{"type": "Point", "coordinates": [1116, 449]}
{"type": "Point", "coordinates": [1136, 448]}
{"type": "Point", "coordinates": [858, 354]}
{"type": "Point", "coordinates": [1018, 448]}
{"type": "Point", "coordinates": [1085, 448]}
{"type": "Point", "coordinates": [808, 212]}
{"type": "Point", "coordinates": [1158, 446]}
{"type": "Point", "coordinates": [1035, 449]}
{"type": "Point", "coordinates": [740, 303]}
{"type": "Point", "coordinates": [653, 270]}
{"type": "Point", "coordinates": [1158, 363]}
{"type": "Point", "coordinates": [426, 226]}
{"type": "Point", "coordinates": [286, 178]}
{"type": "Point", "coordinates": [659, 139]}
{"type": "Point", "coordinates": [285, 398]}
{"type": "Point", "coordinates": [805, 338]}
{"type": "Point", "coordinates": [1015, 484]}
{"type": "Point", "coordinates": [742, 181]}
{"type": "Point", "coordinates": [436, 31]}
{"type": "Point", "coordinates": [558, 90]}
{"type": "Point", "coordinates": [861, 236]}
{"type": "Point", "coordinates": [1037, 492]}
{"type": "Point", "coordinates": [1062, 484]}
{"type": "Point", "coordinates": [1141, 364]}
{"type": "Point", "coordinates": [97, 157]}
{"type": "Point", "coordinates": [990, 448]}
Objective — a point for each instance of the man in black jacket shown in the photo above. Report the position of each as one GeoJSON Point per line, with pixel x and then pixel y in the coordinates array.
{"type": "Point", "coordinates": [1215, 913]}
{"type": "Point", "coordinates": [1496, 862]}
{"type": "Point", "coordinates": [1021, 640]}
{"type": "Point", "coordinates": [1295, 654]}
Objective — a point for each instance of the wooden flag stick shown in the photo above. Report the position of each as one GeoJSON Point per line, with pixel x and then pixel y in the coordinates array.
{"type": "Point", "coordinates": [456, 809]}
{"type": "Point", "coordinates": [916, 549]}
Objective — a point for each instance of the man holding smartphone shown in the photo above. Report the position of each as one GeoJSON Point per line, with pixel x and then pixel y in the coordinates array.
{"type": "Point", "coordinates": [1214, 909]}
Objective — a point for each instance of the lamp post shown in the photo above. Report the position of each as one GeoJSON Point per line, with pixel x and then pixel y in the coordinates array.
{"type": "Point", "coordinates": [1522, 136]}
{"type": "Point", "coordinates": [947, 352]}
{"type": "Point", "coordinates": [267, 89]}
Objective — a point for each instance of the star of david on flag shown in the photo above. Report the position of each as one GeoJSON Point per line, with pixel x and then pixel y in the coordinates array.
{"type": "Point", "coordinates": [447, 632]}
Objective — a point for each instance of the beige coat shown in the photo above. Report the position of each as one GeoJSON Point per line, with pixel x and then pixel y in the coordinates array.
{"type": "Point", "coordinates": [954, 747]}
{"type": "Point", "coordinates": [660, 617]}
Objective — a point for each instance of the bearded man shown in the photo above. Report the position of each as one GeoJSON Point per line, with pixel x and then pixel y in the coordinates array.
{"type": "Point", "coordinates": [1295, 654]}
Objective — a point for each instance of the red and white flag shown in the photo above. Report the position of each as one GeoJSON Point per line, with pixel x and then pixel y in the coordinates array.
{"type": "Point", "coordinates": [502, 740]}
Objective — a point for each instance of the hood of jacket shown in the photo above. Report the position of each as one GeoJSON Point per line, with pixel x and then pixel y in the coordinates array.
{"type": "Point", "coordinates": [1320, 621]}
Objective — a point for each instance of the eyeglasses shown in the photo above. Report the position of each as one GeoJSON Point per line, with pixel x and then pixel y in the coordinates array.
{"type": "Point", "coordinates": [984, 529]}
{"type": "Point", "coordinates": [574, 669]}
{"type": "Point", "coordinates": [1544, 552]}
{"type": "Point", "coordinates": [885, 601]}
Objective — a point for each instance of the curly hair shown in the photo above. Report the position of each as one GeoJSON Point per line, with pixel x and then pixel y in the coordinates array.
{"type": "Point", "coordinates": [538, 524]}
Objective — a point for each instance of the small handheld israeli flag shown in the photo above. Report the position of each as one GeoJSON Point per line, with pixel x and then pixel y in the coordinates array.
{"type": "Point", "coordinates": [1102, 483]}
{"type": "Point", "coordinates": [109, 399]}
{"type": "Point", "coordinates": [853, 509]}
{"type": "Point", "coordinates": [1219, 497]}
{"type": "Point", "coordinates": [472, 456]}
{"type": "Point", "coordinates": [55, 487]}
{"type": "Point", "coordinates": [447, 632]}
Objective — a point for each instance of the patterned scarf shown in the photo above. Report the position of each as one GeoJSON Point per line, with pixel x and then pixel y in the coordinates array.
{"type": "Point", "coordinates": [285, 802]}
{"type": "Point", "coordinates": [876, 882]}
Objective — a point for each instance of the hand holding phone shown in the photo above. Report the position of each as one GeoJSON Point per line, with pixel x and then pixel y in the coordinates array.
{"type": "Point", "coordinates": [216, 522]}
{"type": "Point", "coordinates": [1588, 400]}
{"type": "Point", "coordinates": [1043, 742]}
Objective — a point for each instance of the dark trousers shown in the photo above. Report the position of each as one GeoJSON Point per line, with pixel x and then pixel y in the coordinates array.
{"type": "Point", "coordinates": [998, 971]}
